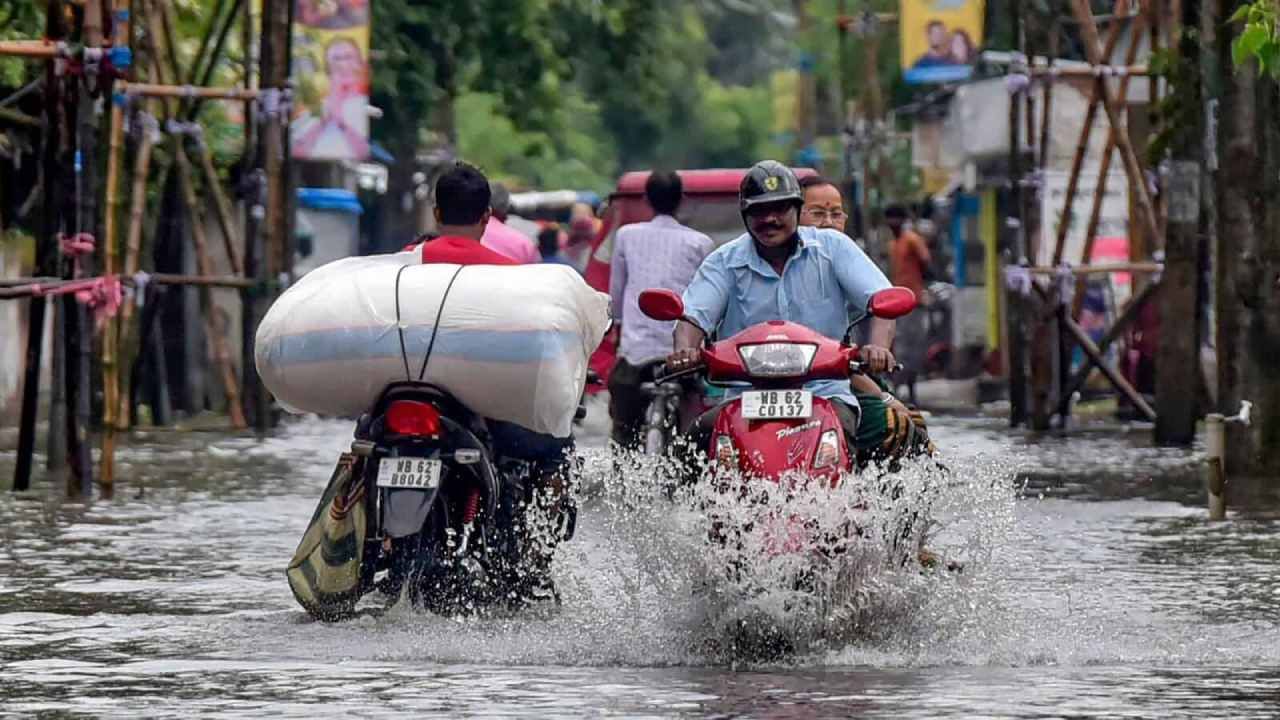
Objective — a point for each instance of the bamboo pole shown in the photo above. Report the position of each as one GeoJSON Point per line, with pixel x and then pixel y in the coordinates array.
{"type": "Point", "coordinates": [1082, 149]}
{"type": "Point", "coordinates": [110, 368]}
{"type": "Point", "coordinates": [133, 250]}
{"type": "Point", "coordinates": [1100, 190]}
{"type": "Point", "coordinates": [1117, 380]}
{"type": "Point", "coordinates": [230, 236]}
{"type": "Point", "coordinates": [1102, 268]}
{"type": "Point", "coordinates": [221, 355]}
{"type": "Point", "coordinates": [35, 49]}
{"type": "Point", "coordinates": [161, 27]}
{"type": "Point", "coordinates": [1089, 32]}
{"type": "Point", "coordinates": [1048, 105]}
{"type": "Point", "coordinates": [1123, 321]}
{"type": "Point", "coordinates": [188, 91]}
{"type": "Point", "coordinates": [1100, 71]}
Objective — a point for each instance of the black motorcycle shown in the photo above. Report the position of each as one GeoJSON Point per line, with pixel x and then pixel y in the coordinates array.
{"type": "Point", "coordinates": [449, 523]}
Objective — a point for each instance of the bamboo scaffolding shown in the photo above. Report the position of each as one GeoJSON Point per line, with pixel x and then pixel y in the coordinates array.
{"type": "Point", "coordinates": [1082, 148]}
{"type": "Point", "coordinates": [217, 338]}
{"type": "Point", "coordinates": [1100, 189]}
{"type": "Point", "coordinates": [133, 249]}
{"type": "Point", "coordinates": [161, 90]}
{"type": "Point", "coordinates": [111, 331]}
{"type": "Point", "coordinates": [35, 49]}
{"type": "Point", "coordinates": [1095, 355]}
{"type": "Point", "coordinates": [222, 205]}
{"type": "Point", "coordinates": [1098, 71]}
{"type": "Point", "coordinates": [1101, 268]}
{"type": "Point", "coordinates": [161, 29]}
{"type": "Point", "coordinates": [15, 288]}
{"type": "Point", "coordinates": [1089, 31]}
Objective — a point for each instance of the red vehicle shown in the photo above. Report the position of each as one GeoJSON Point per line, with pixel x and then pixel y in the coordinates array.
{"type": "Point", "coordinates": [710, 205]}
{"type": "Point", "coordinates": [777, 427]}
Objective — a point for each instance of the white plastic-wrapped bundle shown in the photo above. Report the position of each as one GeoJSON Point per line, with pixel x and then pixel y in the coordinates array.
{"type": "Point", "coordinates": [512, 342]}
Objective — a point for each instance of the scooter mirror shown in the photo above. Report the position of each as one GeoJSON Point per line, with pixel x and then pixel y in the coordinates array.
{"type": "Point", "coordinates": [662, 304]}
{"type": "Point", "coordinates": [892, 303]}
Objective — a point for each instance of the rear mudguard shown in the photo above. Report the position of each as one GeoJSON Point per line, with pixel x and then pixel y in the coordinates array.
{"type": "Point", "coordinates": [771, 448]}
{"type": "Point", "coordinates": [403, 512]}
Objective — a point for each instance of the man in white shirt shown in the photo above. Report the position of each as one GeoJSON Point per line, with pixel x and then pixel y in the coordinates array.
{"type": "Point", "coordinates": [660, 253]}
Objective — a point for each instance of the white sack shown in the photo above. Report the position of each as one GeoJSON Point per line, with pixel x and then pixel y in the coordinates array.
{"type": "Point", "coordinates": [512, 344]}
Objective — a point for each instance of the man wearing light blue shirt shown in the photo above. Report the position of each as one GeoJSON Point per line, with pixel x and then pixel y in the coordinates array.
{"type": "Point", "coordinates": [780, 271]}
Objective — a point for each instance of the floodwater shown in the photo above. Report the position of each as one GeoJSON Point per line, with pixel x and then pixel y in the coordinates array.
{"type": "Point", "coordinates": [1100, 594]}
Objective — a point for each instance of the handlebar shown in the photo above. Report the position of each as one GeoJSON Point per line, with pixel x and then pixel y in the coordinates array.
{"type": "Point", "coordinates": [859, 367]}
{"type": "Point", "coordinates": [663, 376]}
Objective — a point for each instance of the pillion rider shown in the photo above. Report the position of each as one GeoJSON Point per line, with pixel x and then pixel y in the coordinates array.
{"type": "Point", "coordinates": [778, 270]}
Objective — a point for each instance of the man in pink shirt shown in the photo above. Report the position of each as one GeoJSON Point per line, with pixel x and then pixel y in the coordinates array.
{"type": "Point", "coordinates": [499, 237]}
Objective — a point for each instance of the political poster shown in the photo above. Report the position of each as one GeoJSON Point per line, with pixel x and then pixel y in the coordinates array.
{"type": "Point", "coordinates": [330, 120]}
{"type": "Point", "coordinates": [940, 39]}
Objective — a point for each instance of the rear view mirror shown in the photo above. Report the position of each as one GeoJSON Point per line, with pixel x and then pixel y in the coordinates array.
{"type": "Point", "coordinates": [892, 303]}
{"type": "Point", "coordinates": [662, 304]}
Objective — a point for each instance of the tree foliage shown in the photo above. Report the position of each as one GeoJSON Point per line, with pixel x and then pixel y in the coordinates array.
{"type": "Point", "coordinates": [1260, 38]}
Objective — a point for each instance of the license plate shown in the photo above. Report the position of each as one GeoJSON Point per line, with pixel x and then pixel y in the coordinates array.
{"type": "Point", "coordinates": [777, 404]}
{"type": "Point", "coordinates": [409, 473]}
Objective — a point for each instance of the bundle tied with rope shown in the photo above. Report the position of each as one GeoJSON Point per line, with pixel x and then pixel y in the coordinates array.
{"type": "Point", "coordinates": [511, 343]}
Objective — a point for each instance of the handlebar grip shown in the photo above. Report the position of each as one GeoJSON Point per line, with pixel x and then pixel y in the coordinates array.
{"type": "Point", "coordinates": [662, 375]}
{"type": "Point", "coordinates": [857, 366]}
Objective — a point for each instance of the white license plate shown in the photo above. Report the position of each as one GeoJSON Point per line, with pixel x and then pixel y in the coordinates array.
{"type": "Point", "coordinates": [409, 473]}
{"type": "Point", "coordinates": [777, 404]}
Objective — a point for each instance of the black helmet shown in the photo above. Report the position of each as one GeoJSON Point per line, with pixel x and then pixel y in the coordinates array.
{"type": "Point", "coordinates": [768, 181]}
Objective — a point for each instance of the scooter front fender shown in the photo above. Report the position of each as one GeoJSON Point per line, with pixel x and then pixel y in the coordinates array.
{"type": "Point", "coordinates": [771, 448]}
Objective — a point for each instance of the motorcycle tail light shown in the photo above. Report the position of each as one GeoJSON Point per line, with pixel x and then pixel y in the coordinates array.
{"type": "Point", "coordinates": [726, 454]}
{"type": "Point", "coordinates": [410, 417]}
{"type": "Point", "coordinates": [828, 452]}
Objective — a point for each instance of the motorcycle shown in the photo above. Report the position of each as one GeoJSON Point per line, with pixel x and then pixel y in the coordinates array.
{"type": "Point", "coordinates": [776, 431]}
{"type": "Point", "coordinates": [450, 522]}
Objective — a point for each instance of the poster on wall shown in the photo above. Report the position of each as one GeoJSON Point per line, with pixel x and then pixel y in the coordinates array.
{"type": "Point", "coordinates": [940, 39]}
{"type": "Point", "coordinates": [331, 79]}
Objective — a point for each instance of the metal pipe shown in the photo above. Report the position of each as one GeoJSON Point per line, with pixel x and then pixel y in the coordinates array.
{"type": "Point", "coordinates": [1215, 480]}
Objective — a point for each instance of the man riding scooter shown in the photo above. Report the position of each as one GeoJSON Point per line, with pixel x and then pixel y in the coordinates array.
{"type": "Point", "coordinates": [778, 270]}
{"type": "Point", "coordinates": [888, 428]}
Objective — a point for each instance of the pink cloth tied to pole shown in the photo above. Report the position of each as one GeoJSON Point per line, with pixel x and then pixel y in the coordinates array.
{"type": "Point", "coordinates": [101, 294]}
{"type": "Point", "coordinates": [73, 246]}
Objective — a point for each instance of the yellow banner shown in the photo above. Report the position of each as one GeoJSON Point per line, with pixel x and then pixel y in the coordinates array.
{"type": "Point", "coordinates": [940, 39]}
{"type": "Point", "coordinates": [331, 79]}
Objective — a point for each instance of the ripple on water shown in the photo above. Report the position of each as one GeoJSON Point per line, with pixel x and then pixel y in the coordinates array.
{"type": "Point", "coordinates": [172, 598]}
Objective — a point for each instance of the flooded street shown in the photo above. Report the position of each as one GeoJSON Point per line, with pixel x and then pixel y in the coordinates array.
{"type": "Point", "coordinates": [1103, 595]}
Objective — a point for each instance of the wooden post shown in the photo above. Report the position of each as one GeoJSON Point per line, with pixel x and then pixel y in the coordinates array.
{"type": "Point", "coordinates": [1178, 356]}
{"type": "Point", "coordinates": [1089, 33]}
{"type": "Point", "coordinates": [110, 340]}
{"type": "Point", "coordinates": [254, 208]}
{"type": "Point", "coordinates": [46, 256]}
{"type": "Point", "coordinates": [274, 149]}
{"type": "Point", "coordinates": [1018, 314]}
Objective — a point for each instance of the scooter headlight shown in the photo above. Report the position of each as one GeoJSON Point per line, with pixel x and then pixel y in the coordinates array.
{"type": "Point", "coordinates": [778, 359]}
{"type": "Point", "coordinates": [828, 452]}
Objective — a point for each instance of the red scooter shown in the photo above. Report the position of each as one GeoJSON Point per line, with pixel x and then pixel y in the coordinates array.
{"type": "Point", "coordinates": [777, 428]}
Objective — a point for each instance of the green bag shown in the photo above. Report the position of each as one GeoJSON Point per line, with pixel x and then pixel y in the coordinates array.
{"type": "Point", "coordinates": [324, 573]}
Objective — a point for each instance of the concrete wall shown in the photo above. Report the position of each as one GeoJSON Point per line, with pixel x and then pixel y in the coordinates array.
{"type": "Point", "coordinates": [15, 261]}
